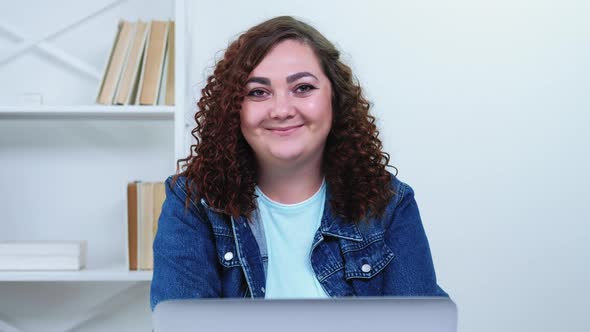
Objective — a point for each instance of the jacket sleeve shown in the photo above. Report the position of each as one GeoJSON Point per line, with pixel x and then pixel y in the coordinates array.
{"type": "Point", "coordinates": [184, 251]}
{"type": "Point", "coordinates": [411, 272]}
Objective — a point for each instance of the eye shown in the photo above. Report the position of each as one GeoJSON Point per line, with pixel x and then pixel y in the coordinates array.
{"type": "Point", "coordinates": [303, 88]}
{"type": "Point", "coordinates": [257, 93]}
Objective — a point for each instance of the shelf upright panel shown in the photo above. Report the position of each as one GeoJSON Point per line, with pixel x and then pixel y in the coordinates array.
{"type": "Point", "coordinates": [180, 92]}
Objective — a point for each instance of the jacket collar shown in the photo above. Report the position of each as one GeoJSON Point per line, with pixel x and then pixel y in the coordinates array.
{"type": "Point", "coordinates": [331, 224]}
{"type": "Point", "coordinates": [334, 225]}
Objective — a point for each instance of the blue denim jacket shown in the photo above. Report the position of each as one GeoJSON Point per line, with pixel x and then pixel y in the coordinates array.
{"type": "Point", "coordinates": [200, 252]}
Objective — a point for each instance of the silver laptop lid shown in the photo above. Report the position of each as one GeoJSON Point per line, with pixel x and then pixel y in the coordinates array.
{"type": "Point", "coordinates": [350, 314]}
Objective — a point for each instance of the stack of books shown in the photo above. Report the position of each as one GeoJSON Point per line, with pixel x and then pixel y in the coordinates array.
{"type": "Point", "coordinates": [144, 205]}
{"type": "Point", "coordinates": [42, 255]}
{"type": "Point", "coordinates": [140, 68]}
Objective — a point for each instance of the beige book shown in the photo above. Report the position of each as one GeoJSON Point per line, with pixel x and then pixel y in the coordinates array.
{"type": "Point", "coordinates": [170, 67]}
{"type": "Point", "coordinates": [162, 89]}
{"type": "Point", "coordinates": [129, 78]}
{"type": "Point", "coordinates": [132, 224]}
{"type": "Point", "coordinates": [151, 75]}
{"type": "Point", "coordinates": [159, 197]}
{"type": "Point", "coordinates": [114, 67]}
{"type": "Point", "coordinates": [146, 226]}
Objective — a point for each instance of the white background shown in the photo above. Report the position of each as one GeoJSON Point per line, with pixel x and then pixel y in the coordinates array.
{"type": "Point", "coordinates": [484, 108]}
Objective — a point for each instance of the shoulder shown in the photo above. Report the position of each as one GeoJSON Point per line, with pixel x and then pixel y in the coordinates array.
{"type": "Point", "coordinates": [402, 191]}
{"type": "Point", "coordinates": [177, 190]}
{"type": "Point", "coordinates": [402, 195]}
{"type": "Point", "coordinates": [402, 210]}
{"type": "Point", "coordinates": [177, 184]}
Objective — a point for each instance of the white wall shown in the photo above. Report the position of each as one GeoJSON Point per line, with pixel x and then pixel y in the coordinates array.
{"type": "Point", "coordinates": [484, 108]}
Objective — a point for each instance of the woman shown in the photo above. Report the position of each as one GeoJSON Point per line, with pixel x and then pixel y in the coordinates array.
{"type": "Point", "coordinates": [286, 193]}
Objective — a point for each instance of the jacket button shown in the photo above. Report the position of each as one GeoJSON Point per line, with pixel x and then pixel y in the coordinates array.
{"type": "Point", "coordinates": [228, 256]}
{"type": "Point", "coordinates": [366, 268]}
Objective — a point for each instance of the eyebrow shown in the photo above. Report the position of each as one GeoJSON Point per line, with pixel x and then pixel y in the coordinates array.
{"type": "Point", "coordinates": [290, 79]}
{"type": "Point", "coordinates": [261, 80]}
{"type": "Point", "coordinates": [296, 76]}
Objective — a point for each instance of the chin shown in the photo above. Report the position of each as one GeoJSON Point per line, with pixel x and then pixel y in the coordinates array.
{"type": "Point", "coordinates": [287, 157]}
{"type": "Point", "coordinates": [287, 154]}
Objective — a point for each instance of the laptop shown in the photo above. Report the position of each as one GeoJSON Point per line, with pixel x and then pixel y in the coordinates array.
{"type": "Point", "coordinates": [345, 314]}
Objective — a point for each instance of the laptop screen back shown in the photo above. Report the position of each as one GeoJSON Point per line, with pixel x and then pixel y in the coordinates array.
{"type": "Point", "coordinates": [354, 314]}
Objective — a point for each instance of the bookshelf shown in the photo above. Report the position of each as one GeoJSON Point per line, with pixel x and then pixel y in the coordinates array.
{"type": "Point", "coordinates": [113, 273]}
{"type": "Point", "coordinates": [65, 163]}
{"type": "Point", "coordinates": [88, 112]}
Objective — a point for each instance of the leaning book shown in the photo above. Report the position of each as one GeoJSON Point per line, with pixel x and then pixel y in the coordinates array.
{"type": "Point", "coordinates": [42, 255]}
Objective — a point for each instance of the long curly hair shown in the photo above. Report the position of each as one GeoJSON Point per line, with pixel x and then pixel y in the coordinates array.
{"type": "Point", "coordinates": [221, 166]}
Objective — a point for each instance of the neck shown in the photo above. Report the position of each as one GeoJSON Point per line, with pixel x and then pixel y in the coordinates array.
{"type": "Point", "coordinates": [292, 185]}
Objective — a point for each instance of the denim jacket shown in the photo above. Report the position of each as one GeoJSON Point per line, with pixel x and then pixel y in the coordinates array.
{"type": "Point", "coordinates": [200, 252]}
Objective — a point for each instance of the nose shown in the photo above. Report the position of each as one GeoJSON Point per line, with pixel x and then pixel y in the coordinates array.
{"type": "Point", "coordinates": [282, 107]}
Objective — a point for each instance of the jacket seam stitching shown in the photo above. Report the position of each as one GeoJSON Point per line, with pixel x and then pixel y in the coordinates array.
{"type": "Point", "coordinates": [368, 242]}
{"type": "Point", "coordinates": [181, 188]}
{"type": "Point", "coordinates": [338, 267]}
{"type": "Point", "coordinates": [402, 190]}
{"type": "Point", "coordinates": [186, 193]}
{"type": "Point", "coordinates": [244, 264]}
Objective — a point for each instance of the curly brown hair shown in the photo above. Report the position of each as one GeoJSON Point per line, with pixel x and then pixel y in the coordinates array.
{"type": "Point", "coordinates": [222, 167]}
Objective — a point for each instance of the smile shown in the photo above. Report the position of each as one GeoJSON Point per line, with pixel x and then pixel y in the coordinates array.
{"type": "Point", "coordinates": [284, 131]}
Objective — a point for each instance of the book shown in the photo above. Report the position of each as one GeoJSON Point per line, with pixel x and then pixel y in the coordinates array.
{"type": "Point", "coordinates": [144, 204]}
{"type": "Point", "coordinates": [163, 84]}
{"type": "Point", "coordinates": [40, 263]}
{"type": "Point", "coordinates": [170, 54]}
{"type": "Point", "coordinates": [117, 58]}
{"type": "Point", "coordinates": [153, 61]}
{"type": "Point", "coordinates": [132, 225]}
{"type": "Point", "coordinates": [42, 248]}
{"type": "Point", "coordinates": [42, 255]}
{"type": "Point", "coordinates": [127, 89]}
{"type": "Point", "coordinates": [146, 225]}
{"type": "Point", "coordinates": [159, 197]}
{"type": "Point", "coordinates": [166, 91]}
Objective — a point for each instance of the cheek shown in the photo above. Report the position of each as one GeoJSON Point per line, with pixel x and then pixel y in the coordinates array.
{"type": "Point", "coordinates": [320, 112]}
{"type": "Point", "coordinates": [327, 114]}
{"type": "Point", "coordinates": [248, 119]}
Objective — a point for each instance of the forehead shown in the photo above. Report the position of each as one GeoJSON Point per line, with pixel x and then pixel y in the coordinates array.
{"type": "Point", "coordinates": [288, 57]}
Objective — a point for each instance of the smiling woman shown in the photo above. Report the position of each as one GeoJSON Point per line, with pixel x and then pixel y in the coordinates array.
{"type": "Point", "coordinates": [286, 192]}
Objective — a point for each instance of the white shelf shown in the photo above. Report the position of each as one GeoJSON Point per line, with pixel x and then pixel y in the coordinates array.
{"type": "Point", "coordinates": [91, 274]}
{"type": "Point", "coordinates": [71, 136]}
{"type": "Point", "coordinates": [88, 111]}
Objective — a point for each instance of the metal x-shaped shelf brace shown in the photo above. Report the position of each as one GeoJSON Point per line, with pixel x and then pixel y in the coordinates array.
{"type": "Point", "coordinates": [117, 300]}
{"type": "Point", "coordinates": [40, 42]}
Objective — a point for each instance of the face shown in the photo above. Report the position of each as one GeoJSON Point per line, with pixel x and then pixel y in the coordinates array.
{"type": "Point", "coordinates": [287, 112]}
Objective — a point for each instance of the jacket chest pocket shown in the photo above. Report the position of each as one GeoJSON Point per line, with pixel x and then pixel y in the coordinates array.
{"type": "Point", "coordinates": [364, 260]}
{"type": "Point", "coordinates": [226, 248]}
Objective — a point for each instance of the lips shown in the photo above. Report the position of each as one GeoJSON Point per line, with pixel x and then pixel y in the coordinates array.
{"type": "Point", "coordinates": [282, 131]}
